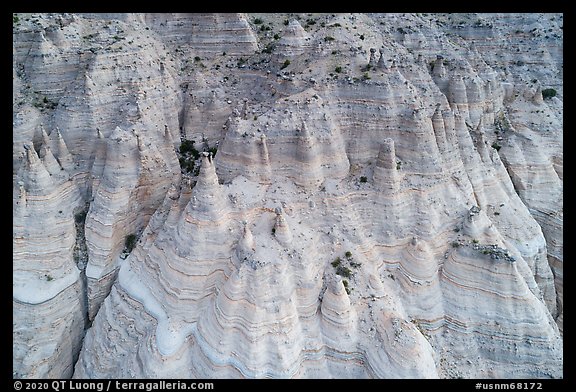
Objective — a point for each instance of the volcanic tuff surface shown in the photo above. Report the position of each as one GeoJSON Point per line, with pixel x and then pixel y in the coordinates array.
{"type": "Point", "coordinates": [288, 195]}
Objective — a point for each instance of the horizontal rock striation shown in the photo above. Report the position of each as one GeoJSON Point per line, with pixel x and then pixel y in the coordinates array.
{"type": "Point", "coordinates": [294, 40]}
{"type": "Point", "coordinates": [206, 34]}
{"type": "Point", "coordinates": [298, 131]}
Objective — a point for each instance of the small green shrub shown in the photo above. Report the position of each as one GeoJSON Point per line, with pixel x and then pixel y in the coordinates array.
{"type": "Point", "coordinates": [362, 37]}
{"type": "Point", "coordinates": [286, 22]}
{"type": "Point", "coordinates": [455, 244]}
{"type": "Point", "coordinates": [15, 19]}
{"type": "Point", "coordinates": [366, 68]}
{"type": "Point", "coordinates": [336, 263]}
{"type": "Point", "coordinates": [276, 36]}
{"type": "Point", "coordinates": [348, 254]}
{"type": "Point", "coordinates": [345, 283]}
{"type": "Point", "coordinates": [49, 277]}
{"type": "Point", "coordinates": [188, 155]}
{"type": "Point", "coordinates": [273, 230]}
{"type": "Point", "coordinates": [286, 63]}
{"type": "Point", "coordinates": [258, 21]}
{"type": "Point", "coordinates": [197, 58]}
{"type": "Point", "coordinates": [130, 242]}
{"type": "Point", "coordinates": [496, 146]}
{"type": "Point", "coordinates": [186, 164]}
{"type": "Point", "coordinates": [328, 38]}
{"type": "Point", "coordinates": [269, 48]}
{"type": "Point", "coordinates": [187, 148]}
{"type": "Point", "coordinates": [195, 154]}
{"type": "Point", "coordinates": [338, 69]}
{"type": "Point", "coordinates": [548, 93]}
{"type": "Point", "coordinates": [343, 271]}
{"type": "Point", "coordinates": [363, 179]}
{"type": "Point", "coordinates": [213, 150]}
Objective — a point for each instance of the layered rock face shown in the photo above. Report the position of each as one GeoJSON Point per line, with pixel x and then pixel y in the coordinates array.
{"type": "Point", "coordinates": [288, 195]}
{"type": "Point", "coordinates": [49, 307]}
{"type": "Point", "coordinates": [206, 34]}
{"type": "Point", "coordinates": [295, 40]}
{"type": "Point", "coordinates": [135, 177]}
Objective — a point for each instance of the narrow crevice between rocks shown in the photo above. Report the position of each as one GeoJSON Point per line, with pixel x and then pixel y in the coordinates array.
{"type": "Point", "coordinates": [81, 259]}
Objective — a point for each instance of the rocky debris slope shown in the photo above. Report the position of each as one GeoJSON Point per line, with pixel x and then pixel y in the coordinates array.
{"type": "Point", "coordinates": [288, 195]}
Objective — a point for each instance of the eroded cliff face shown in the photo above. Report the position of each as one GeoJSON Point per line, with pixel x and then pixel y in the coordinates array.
{"type": "Point", "coordinates": [367, 195]}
